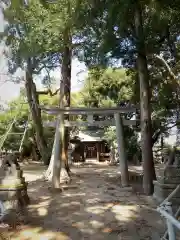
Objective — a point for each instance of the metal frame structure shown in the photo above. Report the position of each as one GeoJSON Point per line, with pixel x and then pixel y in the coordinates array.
{"type": "Point", "coordinates": [8, 132]}
{"type": "Point", "coordinates": [4, 137]}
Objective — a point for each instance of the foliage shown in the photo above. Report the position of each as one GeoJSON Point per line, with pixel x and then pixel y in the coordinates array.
{"type": "Point", "coordinates": [112, 87]}
{"type": "Point", "coordinates": [38, 31]}
{"type": "Point", "coordinates": [114, 39]}
{"type": "Point", "coordinates": [106, 35]}
{"type": "Point", "coordinates": [21, 112]}
{"type": "Point", "coordinates": [108, 86]}
{"type": "Point", "coordinates": [132, 145]}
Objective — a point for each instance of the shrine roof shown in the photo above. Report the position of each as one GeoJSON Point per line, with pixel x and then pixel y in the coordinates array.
{"type": "Point", "coordinates": [91, 136]}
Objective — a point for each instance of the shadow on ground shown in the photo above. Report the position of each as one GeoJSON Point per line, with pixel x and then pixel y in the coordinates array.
{"type": "Point", "coordinates": [93, 206]}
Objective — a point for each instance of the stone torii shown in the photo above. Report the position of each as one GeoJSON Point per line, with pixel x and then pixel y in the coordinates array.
{"type": "Point", "coordinates": [118, 122]}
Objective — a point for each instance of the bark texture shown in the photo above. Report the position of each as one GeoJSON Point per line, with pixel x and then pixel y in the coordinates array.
{"type": "Point", "coordinates": [66, 82]}
{"type": "Point", "coordinates": [146, 128]}
{"type": "Point", "coordinates": [58, 170]}
{"type": "Point", "coordinates": [36, 113]}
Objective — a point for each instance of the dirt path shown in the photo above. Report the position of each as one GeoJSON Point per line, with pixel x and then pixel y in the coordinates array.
{"type": "Point", "coordinates": [93, 207]}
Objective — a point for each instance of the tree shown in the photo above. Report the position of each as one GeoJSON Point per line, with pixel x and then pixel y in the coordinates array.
{"type": "Point", "coordinates": [112, 87]}
{"type": "Point", "coordinates": [15, 111]}
{"type": "Point", "coordinates": [24, 55]}
{"type": "Point", "coordinates": [100, 35]}
{"type": "Point", "coordinates": [21, 112]}
{"type": "Point", "coordinates": [146, 132]}
{"type": "Point", "coordinates": [71, 19]}
{"type": "Point", "coordinates": [120, 34]}
{"type": "Point", "coordinates": [31, 48]}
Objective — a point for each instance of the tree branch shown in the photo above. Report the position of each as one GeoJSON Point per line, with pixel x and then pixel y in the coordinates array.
{"type": "Point", "coordinates": [48, 92]}
{"type": "Point", "coordinates": [158, 132]}
{"type": "Point", "coordinates": [45, 66]}
{"type": "Point", "coordinates": [167, 67]}
{"type": "Point", "coordinates": [156, 136]}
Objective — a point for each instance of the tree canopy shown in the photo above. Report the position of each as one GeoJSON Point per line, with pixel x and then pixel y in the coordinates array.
{"type": "Point", "coordinates": [131, 49]}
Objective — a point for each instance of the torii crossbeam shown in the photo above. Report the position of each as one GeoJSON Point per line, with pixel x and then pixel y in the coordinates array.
{"type": "Point", "coordinates": [86, 111]}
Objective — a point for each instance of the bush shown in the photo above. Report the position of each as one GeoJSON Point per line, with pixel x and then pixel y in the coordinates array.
{"type": "Point", "coordinates": [132, 146]}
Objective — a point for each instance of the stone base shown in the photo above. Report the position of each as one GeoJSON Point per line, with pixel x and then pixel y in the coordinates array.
{"type": "Point", "coordinates": [15, 193]}
{"type": "Point", "coordinates": [168, 181]}
{"type": "Point", "coordinates": [171, 172]}
{"type": "Point", "coordinates": [13, 188]}
{"type": "Point", "coordinates": [162, 191]}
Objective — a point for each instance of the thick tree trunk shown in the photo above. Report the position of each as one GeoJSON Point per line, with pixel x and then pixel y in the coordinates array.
{"type": "Point", "coordinates": [66, 81]}
{"type": "Point", "coordinates": [146, 128]}
{"type": "Point", "coordinates": [58, 170]}
{"type": "Point", "coordinates": [177, 130]}
{"type": "Point", "coordinates": [162, 148]}
{"type": "Point", "coordinates": [34, 153]}
{"type": "Point", "coordinates": [36, 115]}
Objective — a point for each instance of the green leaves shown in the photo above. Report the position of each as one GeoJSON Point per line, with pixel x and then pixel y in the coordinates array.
{"type": "Point", "coordinates": [37, 30]}
{"type": "Point", "coordinates": [15, 108]}
{"type": "Point", "coordinates": [110, 84]}
{"type": "Point", "coordinates": [31, 33]}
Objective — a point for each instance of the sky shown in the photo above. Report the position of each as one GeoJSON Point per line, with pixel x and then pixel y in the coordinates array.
{"type": "Point", "coordinates": [9, 90]}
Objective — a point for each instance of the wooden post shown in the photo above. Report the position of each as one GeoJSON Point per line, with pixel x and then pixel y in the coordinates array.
{"type": "Point", "coordinates": [121, 150]}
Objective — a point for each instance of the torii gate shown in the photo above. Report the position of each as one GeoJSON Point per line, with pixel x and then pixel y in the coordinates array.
{"type": "Point", "coordinates": [118, 122]}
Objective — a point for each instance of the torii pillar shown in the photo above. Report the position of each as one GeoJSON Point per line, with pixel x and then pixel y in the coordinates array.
{"type": "Point", "coordinates": [121, 150]}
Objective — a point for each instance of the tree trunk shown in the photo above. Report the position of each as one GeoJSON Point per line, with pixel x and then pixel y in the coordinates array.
{"type": "Point", "coordinates": [66, 81]}
{"type": "Point", "coordinates": [34, 153]}
{"type": "Point", "coordinates": [146, 128]}
{"type": "Point", "coordinates": [36, 115]}
{"type": "Point", "coordinates": [34, 138]}
{"type": "Point", "coordinates": [177, 130]}
{"type": "Point", "coordinates": [58, 170]}
{"type": "Point", "coordinates": [162, 148]}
